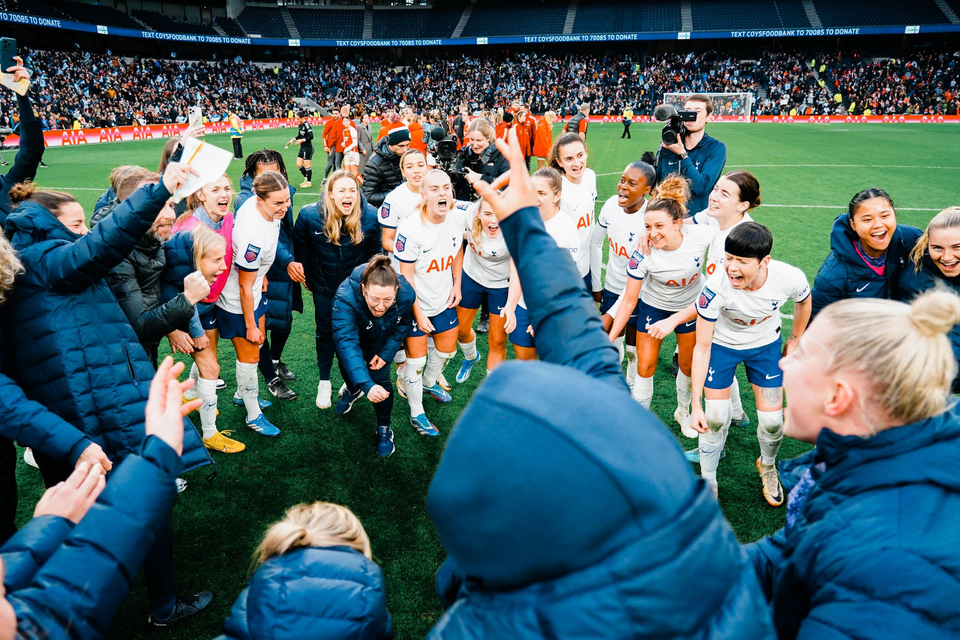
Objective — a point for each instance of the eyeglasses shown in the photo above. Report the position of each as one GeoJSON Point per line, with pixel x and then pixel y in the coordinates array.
{"type": "Point", "coordinates": [376, 302]}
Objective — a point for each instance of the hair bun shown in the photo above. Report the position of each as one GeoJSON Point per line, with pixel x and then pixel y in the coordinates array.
{"type": "Point", "coordinates": [21, 192]}
{"type": "Point", "coordinates": [673, 187]}
{"type": "Point", "coordinates": [935, 312]}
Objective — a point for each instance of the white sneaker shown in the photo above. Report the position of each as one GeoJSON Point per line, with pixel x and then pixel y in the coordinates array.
{"type": "Point", "coordinates": [684, 422]}
{"type": "Point", "coordinates": [29, 459]}
{"type": "Point", "coordinates": [323, 394]}
{"type": "Point", "coordinates": [712, 483]}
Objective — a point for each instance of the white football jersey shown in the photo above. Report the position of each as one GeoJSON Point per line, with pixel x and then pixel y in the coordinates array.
{"type": "Point", "coordinates": [254, 249]}
{"type": "Point", "coordinates": [432, 248]}
{"type": "Point", "coordinates": [398, 204]}
{"type": "Point", "coordinates": [623, 229]}
{"type": "Point", "coordinates": [486, 261]}
{"type": "Point", "coordinates": [672, 279]}
{"type": "Point", "coordinates": [578, 202]}
{"type": "Point", "coordinates": [564, 232]}
{"type": "Point", "coordinates": [717, 248]}
{"type": "Point", "coordinates": [750, 319]}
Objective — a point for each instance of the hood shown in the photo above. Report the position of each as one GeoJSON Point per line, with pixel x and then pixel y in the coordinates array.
{"type": "Point", "coordinates": [555, 491]}
{"type": "Point", "coordinates": [31, 224]}
{"type": "Point", "coordinates": [383, 148]}
{"type": "Point", "coordinates": [843, 238]}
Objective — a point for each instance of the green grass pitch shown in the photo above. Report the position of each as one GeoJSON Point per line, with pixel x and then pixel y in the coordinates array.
{"type": "Point", "coordinates": [808, 174]}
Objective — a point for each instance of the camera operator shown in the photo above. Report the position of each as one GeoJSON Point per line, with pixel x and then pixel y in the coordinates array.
{"type": "Point", "coordinates": [480, 159]}
{"type": "Point", "coordinates": [695, 155]}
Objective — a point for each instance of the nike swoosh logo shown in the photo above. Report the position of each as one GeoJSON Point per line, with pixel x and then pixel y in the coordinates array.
{"type": "Point", "coordinates": [862, 288]}
{"type": "Point", "coordinates": [772, 377]}
{"type": "Point", "coordinates": [319, 233]}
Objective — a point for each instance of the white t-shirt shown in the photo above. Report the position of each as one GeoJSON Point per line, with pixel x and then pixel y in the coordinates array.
{"type": "Point", "coordinates": [432, 248]}
{"type": "Point", "coordinates": [750, 319]}
{"type": "Point", "coordinates": [578, 201]}
{"type": "Point", "coordinates": [254, 249]}
{"type": "Point", "coordinates": [717, 248]}
{"type": "Point", "coordinates": [398, 204]}
{"type": "Point", "coordinates": [487, 262]}
{"type": "Point", "coordinates": [623, 229]}
{"type": "Point", "coordinates": [564, 232]}
{"type": "Point", "coordinates": [672, 279]}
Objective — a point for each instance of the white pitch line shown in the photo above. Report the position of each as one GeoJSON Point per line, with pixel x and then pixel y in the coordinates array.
{"type": "Point", "coordinates": [838, 166]}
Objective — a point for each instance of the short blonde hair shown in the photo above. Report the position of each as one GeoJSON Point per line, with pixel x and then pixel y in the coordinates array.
{"type": "Point", "coordinates": [949, 218]}
{"type": "Point", "coordinates": [484, 127]}
{"type": "Point", "coordinates": [10, 267]}
{"type": "Point", "coordinates": [321, 524]}
{"type": "Point", "coordinates": [205, 239]}
{"type": "Point", "coordinates": [901, 349]}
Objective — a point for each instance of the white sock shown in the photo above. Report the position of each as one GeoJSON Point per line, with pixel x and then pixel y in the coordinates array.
{"type": "Point", "coordinates": [643, 391]}
{"type": "Point", "coordinates": [207, 392]}
{"type": "Point", "coordinates": [401, 357]}
{"type": "Point", "coordinates": [436, 361]}
{"type": "Point", "coordinates": [711, 443]}
{"type": "Point", "coordinates": [736, 405]}
{"type": "Point", "coordinates": [631, 364]}
{"type": "Point", "coordinates": [469, 349]}
{"type": "Point", "coordinates": [191, 393]}
{"type": "Point", "coordinates": [618, 343]}
{"type": "Point", "coordinates": [684, 393]}
{"type": "Point", "coordinates": [248, 386]}
{"type": "Point", "coordinates": [770, 435]}
{"type": "Point", "coordinates": [413, 383]}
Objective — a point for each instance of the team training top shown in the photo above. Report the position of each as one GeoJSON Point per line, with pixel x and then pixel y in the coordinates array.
{"type": "Point", "coordinates": [305, 133]}
{"type": "Point", "coordinates": [718, 246]}
{"type": "Point", "coordinates": [564, 232]}
{"type": "Point", "coordinates": [577, 201]}
{"type": "Point", "coordinates": [672, 279]}
{"type": "Point", "coordinates": [398, 204]}
{"type": "Point", "coordinates": [254, 249]}
{"type": "Point", "coordinates": [621, 230]}
{"type": "Point", "coordinates": [431, 248]}
{"type": "Point", "coordinates": [487, 262]}
{"type": "Point", "coordinates": [750, 319]}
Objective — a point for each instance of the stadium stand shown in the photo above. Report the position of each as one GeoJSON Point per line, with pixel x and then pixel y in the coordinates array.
{"type": "Point", "coordinates": [230, 26]}
{"type": "Point", "coordinates": [263, 21]}
{"type": "Point", "coordinates": [879, 13]}
{"type": "Point", "coordinates": [438, 22]}
{"type": "Point", "coordinates": [727, 15]}
{"type": "Point", "coordinates": [615, 17]}
{"type": "Point", "coordinates": [328, 23]}
{"type": "Point", "coordinates": [41, 9]}
{"type": "Point", "coordinates": [99, 14]}
{"type": "Point", "coordinates": [508, 17]}
{"type": "Point", "coordinates": [162, 22]}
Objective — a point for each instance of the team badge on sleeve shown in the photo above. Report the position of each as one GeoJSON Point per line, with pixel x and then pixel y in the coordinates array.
{"type": "Point", "coordinates": [401, 243]}
{"type": "Point", "coordinates": [635, 260]}
{"type": "Point", "coordinates": [251, 253]}
{"type": "Point", "coordinates": [706, 297]}
{"type": "Point", "coordinates": [385, 211]}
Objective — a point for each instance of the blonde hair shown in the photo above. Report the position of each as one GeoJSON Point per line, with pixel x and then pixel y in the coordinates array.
{"type": "Point", "coordinates": [949, 218]}
{"type": "Point", "coordinates": [118, 173]}
{"type": "Point", "coordinates": [321, 524]}
{"type": "Point", "coordinates": [423, 201]}
{"type": "Point", "coordinates": [204, 241]}
{"type": "Point", "coordinates": [901, 349]}
{"type": "Point", "coordinates": [194, 202]}
{"type": "Point", "coordinates": [476, 226]}
{"type": "Point", "coordinates": [131, 180]}
{"type": "Point", "coordinates": [334, 220]}
{"type": "Point", "coordinates": [550, 116]}
{"type": "Point", "coordinates": [10, 267]}
{"type": "Point", "coordinates": [484, 127]}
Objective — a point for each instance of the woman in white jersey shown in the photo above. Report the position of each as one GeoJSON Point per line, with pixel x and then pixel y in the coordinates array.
{"type": "Point", "coordinates": [662, 287]}
{"type": "Point", "coordinates": [569, 157]}
{"type": "Point", "coordinates": [547, 183]}
{"type": "Point", "coordinates": [429, 247]}
{"type": "Point", "coordinates": [620, 223]}
{"type": "Point", "coordinates": [739, 309]}
{"type": "Point", "coordinates": [242, 306]}
{"type": "Point", "coordinates": [405, 199]}
{"type": "Point", "coordinates": [486, 276]}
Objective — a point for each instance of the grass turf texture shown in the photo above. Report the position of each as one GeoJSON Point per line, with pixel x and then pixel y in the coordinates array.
{"type": "Point", "coordinates": [810, 172]}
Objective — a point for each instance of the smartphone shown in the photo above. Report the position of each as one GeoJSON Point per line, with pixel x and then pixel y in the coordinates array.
{"type": "Point", "coordinates": [8, 50]}
{"type": "Point", "coordinates": [196, 117]}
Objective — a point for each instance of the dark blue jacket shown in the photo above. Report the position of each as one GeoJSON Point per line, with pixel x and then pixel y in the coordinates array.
{"type": "Point", "coordinates": [67, 581]}
{"type": "Point", "coordinates": [283, 294]}
{"type": "Point", "coordinates": [333, 593]}
{"type": "Point", "coordinates": [913, 282]}
{"type": "Point", "coordinates": [179, 263]}
{"type": "Point", "coordinates": [702, 167]}
{"type": "Point", "coordinates": [844, 274]}
{"type": "Point", "coordinates": [325, 264]}
{"type": "Point", "coordinates": [28, 157]}
{"type": "Point", "coordinates": [873, 552]}
{"type": "Point", "coordinates": [75, 351]}
{"type": "Point", "coordinates": [358, 336]}
{"type": "Point", "coordinates": [557, 527]}
{"type": "Point", "coordinates": [108, 197]}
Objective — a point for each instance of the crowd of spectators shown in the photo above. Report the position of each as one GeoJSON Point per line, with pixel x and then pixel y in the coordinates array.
{"type": "Point", "coordinates": [82, 89]}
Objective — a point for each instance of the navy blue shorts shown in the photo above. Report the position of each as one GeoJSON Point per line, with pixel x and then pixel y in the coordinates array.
{"type": "Point", "coordinates": [647, 315]}
{"type": "Point", "coordinates": [443, 321]}
{"type": "Point", "coordinates": [209, 320]}
{"type": "Point", "coordinates": [609, 299]}
{"type": "Point", "coordinates": [474, 294]}
{"type": "Point", "coordinates": [232, 326]}
{"type": "Point", "coordinates": [519, 336]}
{"type": "Point", "coordinates": [587, 284]}
{"type": "Point", "coordinates": [762, 365]}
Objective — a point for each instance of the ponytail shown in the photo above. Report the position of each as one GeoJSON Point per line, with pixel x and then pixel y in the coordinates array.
{"type": "Point", "coordinates": [671, 196]}
{"type": "Point", "coordinates": [321, 524]}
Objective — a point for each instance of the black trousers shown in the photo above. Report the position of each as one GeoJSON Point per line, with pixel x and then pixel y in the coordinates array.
{"type": "Point", "coordinates": [381, 377]}
{"type": "Point", "coordinates": [626, 130]}
{"type": "Point", "coordinates": [237, 148]}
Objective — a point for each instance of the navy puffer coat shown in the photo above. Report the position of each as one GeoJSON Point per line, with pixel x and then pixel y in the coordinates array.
{"type": "Point", "coordinates": [333, 593]}
{"type": "Point", "coordinates": [75, 351]}
{"type": "Point", "coordinates": [325, 264]}
{"type": "Point", "coordinates": [284, 295]}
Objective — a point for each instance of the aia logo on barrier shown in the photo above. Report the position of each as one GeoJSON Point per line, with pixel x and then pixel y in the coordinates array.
{"type": "Point", "coordinates": [73, 136]}
{"type": "Point", "coordinates": [218, 127]}
{"type": "Point", "coordinates": [142, 133]}
{"type": "Point", "coordinates": [110, 135]}
{"type": "Point", "coordinates": [169, 131]}
{"type": "Point", "coordinates": [443, 264]}
{"type": "Point", "coordinates": [618, 249]}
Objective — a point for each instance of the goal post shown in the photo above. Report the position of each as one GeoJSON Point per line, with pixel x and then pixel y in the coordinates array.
{"type": "Point", "coordinates": [734, 107]}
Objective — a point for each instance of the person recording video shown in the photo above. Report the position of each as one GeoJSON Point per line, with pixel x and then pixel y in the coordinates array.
{"type": "Point", "coordinates": [695, 155]}
{"type": "Point", "coordinates": [479, 159]}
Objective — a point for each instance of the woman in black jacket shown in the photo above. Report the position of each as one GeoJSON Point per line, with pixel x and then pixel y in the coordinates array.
{"type": "Point", "coordinates": [330, 239]}
{"type": "Point", "coordinates": [480, 159]}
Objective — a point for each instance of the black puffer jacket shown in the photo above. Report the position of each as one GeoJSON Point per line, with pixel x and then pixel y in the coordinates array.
{"type": "Point", "coordinates": [490, 164]}
{"type": "Point", "coordinates": [381, 175]}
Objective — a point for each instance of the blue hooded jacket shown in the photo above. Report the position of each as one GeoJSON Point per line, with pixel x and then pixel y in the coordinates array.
{"type": "Point", "coordinates": [28, 157]}
{"type": "Point", "coordinates": [873, 551]}
{"type": "Point", "coordinates": [913, 282]}
{"type": "Point", "coordinates": [75, 351]}
{"type": "Point", "coordinates": [358, 336]}
{"type": "Point", "coordinates": [844, 274]}
{"type": "Point", "coordinates": [333, 593]}
{"type": "Point", "coordinates": [566, 509]}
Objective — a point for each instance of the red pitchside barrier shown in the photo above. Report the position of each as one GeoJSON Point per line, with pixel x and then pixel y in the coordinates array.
{"type": "Point", "coordinates": [80, 137]}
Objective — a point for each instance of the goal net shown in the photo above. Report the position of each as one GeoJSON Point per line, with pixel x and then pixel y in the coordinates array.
{"type": "Point", "coordinates": [735, 107]}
